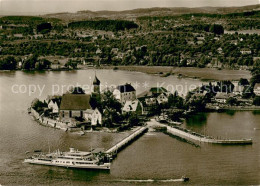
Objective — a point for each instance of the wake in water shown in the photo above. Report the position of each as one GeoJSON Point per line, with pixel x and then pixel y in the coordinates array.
{"type": "Point", "coordinates": [151, 180]}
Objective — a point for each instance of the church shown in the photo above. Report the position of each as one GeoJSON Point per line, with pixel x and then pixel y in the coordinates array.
{"type": "Point", "coordinates": [77, 105]}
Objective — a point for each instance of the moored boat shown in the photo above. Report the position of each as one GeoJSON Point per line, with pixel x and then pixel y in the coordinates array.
{"type": "Point", "coordinates": [71, 159]}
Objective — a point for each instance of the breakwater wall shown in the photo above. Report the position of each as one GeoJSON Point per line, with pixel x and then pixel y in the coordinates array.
{"type": "Point", "coordinates": [189, 135]}
{"type": "Point", "coordinates": [48, 121]}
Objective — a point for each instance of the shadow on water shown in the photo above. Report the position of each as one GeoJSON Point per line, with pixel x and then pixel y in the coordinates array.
{"type": "Point", "coordinates": [198, 119]}
{"type": "Point", "coordinates": [75, 174]}
{"type": "Point", "coordinates": [256, 112]}
{"type": "Point", "coordinates": [27, 72]}
{"type": "Point", "coordinates": [230, 112]}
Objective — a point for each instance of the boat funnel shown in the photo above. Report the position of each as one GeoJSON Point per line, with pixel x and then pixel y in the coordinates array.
{"type": "Point", "coordinates": [72, 150]}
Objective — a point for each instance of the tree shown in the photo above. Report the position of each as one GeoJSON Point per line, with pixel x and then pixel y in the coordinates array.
{"type": "Point", "coordinates": [8, 63]}
{"type": "Point", "coordinates": [39, 105]}
{"type": "Point", "coordinates": [44, 28]}
{"type": "Point", "coordinates": [77, 90]}
{"type": "Point", "coordinates": [175, 101]}
{"type": "Point", "coordinates": [232, 101]}
{"type": "Point", "coordinates": [256, 101]}
{"type": "Point", "coordinates": [243, 81]}
{"type": "Point", "coordinates": [248, 92]}
{"type": "Point", "coordinates": [226, 86]}
{"type": "Point", "coordinates": [109, 101]}
{"type": "Point", "coordinates": [196, 103]}
{"type": "Point", "coordinates": [216, 29]}
{"type": "Point", "coordinates": [134, 120]}
{"type": "Point", "coordinates": [30, 62]}
{"type": "Point", "coordinates": [71, 64]}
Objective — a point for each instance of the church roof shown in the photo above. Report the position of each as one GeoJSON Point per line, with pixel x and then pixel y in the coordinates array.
{"type": "Point", "coordinates": [75, 102]}
{"type": "Point", "coordinates": [125, 88]}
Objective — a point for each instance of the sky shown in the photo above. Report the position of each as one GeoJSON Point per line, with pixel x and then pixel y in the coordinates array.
{"type": "Point", "coordinates": [54, 6]}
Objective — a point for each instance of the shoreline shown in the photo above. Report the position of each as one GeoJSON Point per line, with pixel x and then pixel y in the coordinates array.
{"type": "Point", "coordinates": [204, 74]}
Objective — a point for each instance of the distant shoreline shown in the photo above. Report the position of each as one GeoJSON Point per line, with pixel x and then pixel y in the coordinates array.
{"type": "Point", "coordinates": [187, 72]}
{"type": "Point", "coordinates": [204, 74]}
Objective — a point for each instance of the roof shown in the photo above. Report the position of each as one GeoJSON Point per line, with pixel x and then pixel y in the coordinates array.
{"type": "Point", "coordinates": [223, 95]}
{"type": "Point", "coordinates": [125, 88]}
{"type": "Point", "coordinates": [257, 86]}
{"type": "Point", "coordinates": [153, 92]}
{"type": "Point", "coordinates": [75, 102]}
{"type": "Point", "coordinates": [96, 81]}
{"type": "Point", "coordinates": [131, 105]}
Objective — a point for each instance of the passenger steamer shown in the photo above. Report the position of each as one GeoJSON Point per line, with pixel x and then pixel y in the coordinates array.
{"type": "Point", "coordinates": [71, 159]}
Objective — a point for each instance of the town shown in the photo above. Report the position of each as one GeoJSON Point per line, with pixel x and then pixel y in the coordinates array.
{"type": "Point", "coordinates": [185, 40]}
{"type": "Point", "coordinates": [120, 108]}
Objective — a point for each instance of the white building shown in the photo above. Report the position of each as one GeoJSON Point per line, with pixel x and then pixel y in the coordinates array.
{"type": "Point", "coordinates": [133, 106]}
{"type": "Point", "coordinates": [162, 98]}
{"type": "Point", "coordinates": [93, 116]}
{"type": "Point", "coordinates": [221, 97]}
{"type": "Point", "coordinates": [125, 93]}
{"type": "Point", "coordinates": [54, 106]}
{"type": "Point", "coordinates": [245, 51]}
{"type": "Point", "coordinates": [257, 89]}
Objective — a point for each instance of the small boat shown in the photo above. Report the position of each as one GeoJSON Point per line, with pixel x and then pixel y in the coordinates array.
{"type": "Point", "coordinates": [37, 151]}
{"type": "Point", "coordinates": [184, 178]}
{"type": "Point", "coordinates": [81, 133]}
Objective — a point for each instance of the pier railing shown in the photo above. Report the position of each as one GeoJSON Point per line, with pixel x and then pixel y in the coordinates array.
{"type": "Point", "coordinates": [119, 146]}
{"type": "Point", "coordinates": [187, 134]}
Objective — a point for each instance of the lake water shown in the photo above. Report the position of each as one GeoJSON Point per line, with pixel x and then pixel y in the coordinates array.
{"type": "Point", "coordinates": [153, 156]}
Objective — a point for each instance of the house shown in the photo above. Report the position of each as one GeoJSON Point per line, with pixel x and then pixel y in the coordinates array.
{"type": "Point", "coordinates": [162, 98]}
{"type": "Point", "coordinates": [149, 104]}
{"type": "Point", "coordinates": [245, 51]}
{"type": "Point", "coordinates": [150, 101]}
{"type": "Point", "coordinates": [220, 50]}
{"type": "Point", "coordinates": [257, 89]}
{"type": "Point", "coordinates": [54, 106]}
{"type": "Point", "coordinates": [221, 97]}
{"type": "Point", "coordinates": [216, 63]}
{"type": "Point", "coordinates": [238, 89]}
{"type": "Point", "coordinates": [153, 92]}
{"type": "Point", "coordinates": [18, 35]}
{"type": "Point", "coordinates": [76, 105]}
{"type": "Point", "coordinates": [152, 98]}
{"type": "Point", "coordinates": [125, 93]}
{"type": "Point", "coordinates": [93, 116]}
{"type": "Point", "coordinates": [99, 51]}
{"type": "Point", "coordinates": [133, 106]}
{"type": "Point", "coordinates": [114, 50]}
{"type": "Point", "coordinates": [234, 42]}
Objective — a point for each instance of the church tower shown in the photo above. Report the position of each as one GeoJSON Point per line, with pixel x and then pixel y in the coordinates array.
{"type": "Point", "coordinates": [96, 85]}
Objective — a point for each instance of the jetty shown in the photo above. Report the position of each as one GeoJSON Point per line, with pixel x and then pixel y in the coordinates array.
{"type": "Point", "coordinates": [190, 135]}
{"type": "Point", "coordinates": [112, 152]}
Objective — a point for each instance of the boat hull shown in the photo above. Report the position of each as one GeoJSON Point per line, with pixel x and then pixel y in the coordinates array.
{"type": "Point", "coordinates": [99, 167]}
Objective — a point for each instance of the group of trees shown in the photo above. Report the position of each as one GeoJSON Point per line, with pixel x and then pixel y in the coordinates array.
{"type": "Point", "coordinates": [39, 106]}
{"type": "Point", "coordinates": [33, 63]}
{"type": "Point", "coordinates": [8, 63]}
{"type": "Point", "coordinates": [108, 25]}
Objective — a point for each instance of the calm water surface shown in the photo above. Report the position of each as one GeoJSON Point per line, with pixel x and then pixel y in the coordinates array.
{"type": "Point", "coordinates": [153, 156]}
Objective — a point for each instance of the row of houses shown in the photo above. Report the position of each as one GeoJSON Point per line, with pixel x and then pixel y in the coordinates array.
{"type": "Point", "coordinates": [70, 107]}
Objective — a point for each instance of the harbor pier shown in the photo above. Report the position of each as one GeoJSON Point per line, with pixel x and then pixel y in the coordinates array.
{"type": "Point", "coordinates": [112, 152]}
{"type": "Point", "coordinates": [193, 136]}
